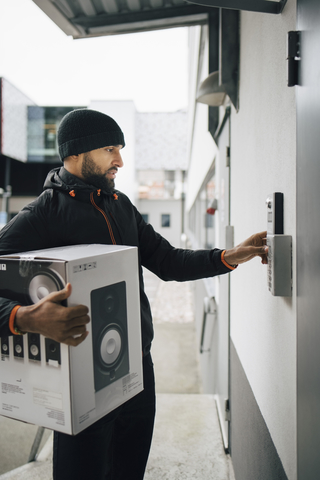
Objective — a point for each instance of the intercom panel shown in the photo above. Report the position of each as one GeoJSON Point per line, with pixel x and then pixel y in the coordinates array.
{"type": "Point", "coordinates": [280, 248]}
{"type": "Point", "coordinates": [274, 204]}
{"type": "Point", "coordinates": [279, 265]}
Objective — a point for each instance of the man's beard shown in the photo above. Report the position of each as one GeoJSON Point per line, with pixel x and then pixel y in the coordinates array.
{"type": "Point", "coordinates": [93, 175]}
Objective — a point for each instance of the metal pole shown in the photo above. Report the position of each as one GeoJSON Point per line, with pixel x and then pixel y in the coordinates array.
{"type": "Point", "coordinates": [36, 445]}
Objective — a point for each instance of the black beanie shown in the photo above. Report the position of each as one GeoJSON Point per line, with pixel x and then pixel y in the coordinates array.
{"type": "Point", "coordinates": [84, 130]}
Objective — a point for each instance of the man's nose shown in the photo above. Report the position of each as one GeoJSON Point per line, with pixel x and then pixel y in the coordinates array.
{"type": "Point", "coordinates": [118, 161]}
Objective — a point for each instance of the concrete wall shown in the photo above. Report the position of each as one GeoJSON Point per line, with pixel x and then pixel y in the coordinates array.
{"type": "Point", "coordinates": [202, 153]}
{"type": "Point", "coordinates": [154, 208]}
{"type": "Point", "coordinates": [263, 160]}
{"type": "Point", "coordinates": [17, 203]}
{"type": "Point", "coordinates": [14, 121]}
{"type": "Point", "coordinates": [202, 148]}
{"type": "Point", "coordinates": [124, 113]}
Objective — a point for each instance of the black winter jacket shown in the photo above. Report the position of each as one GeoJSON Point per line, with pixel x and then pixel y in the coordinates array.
{"type": "Point", "coordinates": [71, 212]}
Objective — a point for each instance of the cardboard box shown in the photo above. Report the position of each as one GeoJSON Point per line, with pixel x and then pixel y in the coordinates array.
{"type": "Point", "coordinates": [68, 388]}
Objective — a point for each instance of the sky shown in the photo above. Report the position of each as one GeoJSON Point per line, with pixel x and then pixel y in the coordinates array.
{"type": "Point", "coordinates": [53, 69]}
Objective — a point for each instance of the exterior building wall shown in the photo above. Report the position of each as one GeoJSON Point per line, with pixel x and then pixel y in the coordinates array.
{"type": "Point", "coordinates": [263, 161]}
{"type": "Point", "coordinates": [155, 208]}
{"type": "Point", "coordinates": [202, 148]}
{"type": "Point", "coordinates": [202, 152]}
{"type": "Point", "coordinates": [161, 140]}
{"type": "Point", "coordinates": [139, 138]}
{"type": "Point", "coordinates": [124, 113]}
{"type": "Point", "coordinates": [263, 146]}
{"type": "Point", "coordinates": [18, 203]}
{"type": "Point", "coordinates": [14, 121]}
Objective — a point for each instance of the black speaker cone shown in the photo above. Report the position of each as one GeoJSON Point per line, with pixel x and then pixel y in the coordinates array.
{"type": "Point", "coordinates": [18, 351]}
{"type": "Point", "coordinates": [5, 346]}
{"type": "Point", "coordinates": [42, 283]}
{"type": "Point", "coordinates": [109, 334]}
{"type": "Point", "coordinates": [34, 346]}
{"type": "Point", "coordinates": [109, 303]}
{"type": "Point", "coordinates": [53, 351]}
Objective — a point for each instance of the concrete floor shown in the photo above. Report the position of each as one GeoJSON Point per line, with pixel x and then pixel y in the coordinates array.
{"type": "Point", "coordinates": [187, 441]}
{"type": "Point", "coordinates": [174, 349]}
{"type": "Point", "coordinates": [16, 439]}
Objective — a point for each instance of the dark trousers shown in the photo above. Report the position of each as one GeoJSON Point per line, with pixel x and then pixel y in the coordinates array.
{"type": "Point", "coordinates": [117, 446]}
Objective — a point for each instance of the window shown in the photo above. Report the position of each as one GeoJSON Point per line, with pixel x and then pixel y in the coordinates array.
{"type": "Point", "coordinates": [42, 132]}
{"type": "Point", "coordinates": [145, 217]}
{"type": "Point", "coordinates": [165, 220]}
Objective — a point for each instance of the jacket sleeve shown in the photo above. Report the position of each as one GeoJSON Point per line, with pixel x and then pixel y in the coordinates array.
{"type": "Point", "coordinates": [170, 263]}
{"type": "Point", "coordinates": [26, 231]}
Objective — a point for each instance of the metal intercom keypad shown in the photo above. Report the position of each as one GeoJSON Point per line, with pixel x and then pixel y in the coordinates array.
{"type": "Point", "coordinates": [280, 249]}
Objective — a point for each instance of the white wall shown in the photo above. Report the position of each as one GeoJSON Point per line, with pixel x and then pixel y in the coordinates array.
{"type": "Point", "coordinates": [154, 208]}
{"type": "Point", "coordinates": [14, 121]}
{"type": "Point", "coordinates": [263, 160]}
{"type": "Point", "coordinates": [202, 148]}
{"type": "Point", "coordinates": [18, 203]}
{"type": "Point", "coordinates": [124, 113]}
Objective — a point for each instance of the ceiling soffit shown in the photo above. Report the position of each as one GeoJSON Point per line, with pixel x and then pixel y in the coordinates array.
{"type": "Point", "coordinates": [92, 18]}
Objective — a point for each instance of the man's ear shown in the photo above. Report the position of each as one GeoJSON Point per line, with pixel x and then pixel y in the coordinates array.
{"type": "Point", "coordinates": [71, 159]}
{"type": "Point", "coordinates": [73, 163]}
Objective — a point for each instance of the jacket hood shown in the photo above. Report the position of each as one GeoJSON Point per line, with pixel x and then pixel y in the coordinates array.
{"type": "Point", "coordinates": [62, 180]}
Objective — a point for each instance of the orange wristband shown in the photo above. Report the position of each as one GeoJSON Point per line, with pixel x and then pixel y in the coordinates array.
{"type": "Point", "coordinates": [232, 267]}
{"type": "Point", "coordinates": [12, 327]}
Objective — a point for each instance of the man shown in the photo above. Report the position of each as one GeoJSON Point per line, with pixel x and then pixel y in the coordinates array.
{"type": "Point", "coordinates": [79, 205]}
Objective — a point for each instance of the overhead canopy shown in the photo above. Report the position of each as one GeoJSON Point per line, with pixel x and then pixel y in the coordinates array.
{"type": "Point", "coordinates": [91, 18]}
{"type": "Point", "coordinates": [262, 6]}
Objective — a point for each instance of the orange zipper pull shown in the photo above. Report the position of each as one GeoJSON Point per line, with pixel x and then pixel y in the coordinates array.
{"type": "Point", "coordinates": [99, 192]}
{"type": "Point", "coordinates": [115, 196]}
{"type": "Point", "coordinates": [72, 193]}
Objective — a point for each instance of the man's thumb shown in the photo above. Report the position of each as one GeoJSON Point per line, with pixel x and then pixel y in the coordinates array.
{"type": "Point", "coordinates": [58, 297]}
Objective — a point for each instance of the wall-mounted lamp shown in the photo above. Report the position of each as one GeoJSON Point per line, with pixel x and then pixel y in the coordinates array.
{"type": "Point", "coordinates": [210, 92]}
